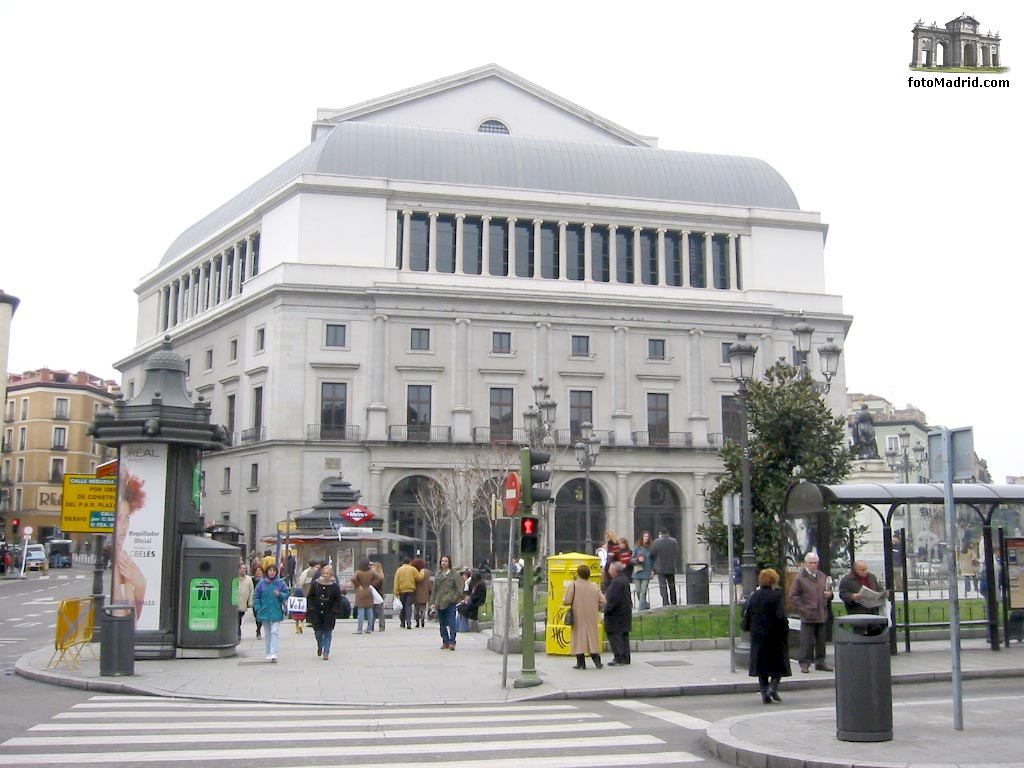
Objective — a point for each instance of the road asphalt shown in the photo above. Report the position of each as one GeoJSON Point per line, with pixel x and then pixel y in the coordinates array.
{"type": "Point", "coordinates": [400, 666]}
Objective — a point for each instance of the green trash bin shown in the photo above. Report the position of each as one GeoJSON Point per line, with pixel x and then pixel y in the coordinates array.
{"type": "Point", "coordinates": [863, 678]}
{"type": "Point", "coordinates": [117, 640]}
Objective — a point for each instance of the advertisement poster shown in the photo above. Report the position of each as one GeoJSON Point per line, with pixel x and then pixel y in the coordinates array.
{"type": "Point", "coordinates": [1015, 571]}
{"type": "Point", "coordinates": [139, 531]}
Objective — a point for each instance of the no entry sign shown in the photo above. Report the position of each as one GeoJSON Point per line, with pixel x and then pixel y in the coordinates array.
{"type": "Point", "coordinates": [513, 492]}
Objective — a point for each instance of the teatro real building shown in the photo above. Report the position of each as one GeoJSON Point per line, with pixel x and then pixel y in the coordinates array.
{"type": "Point", "coordinates": [382, 304]}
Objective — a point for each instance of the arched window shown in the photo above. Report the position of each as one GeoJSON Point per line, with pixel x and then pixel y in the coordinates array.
{"type": "Point", "coordinates": [493, 126]}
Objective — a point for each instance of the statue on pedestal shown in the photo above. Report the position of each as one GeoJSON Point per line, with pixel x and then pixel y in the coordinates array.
{"type": "Point", "coordinates": [864, 445]}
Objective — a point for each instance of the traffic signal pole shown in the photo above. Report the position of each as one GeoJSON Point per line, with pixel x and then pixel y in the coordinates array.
{"type": "Point", "coordinates": [528, 677]}
{"type": "Point", "coordinates": [531, 478]}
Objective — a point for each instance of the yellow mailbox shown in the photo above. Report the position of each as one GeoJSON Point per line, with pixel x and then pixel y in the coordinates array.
{"type": "Point", "coordinates": [561, 573]}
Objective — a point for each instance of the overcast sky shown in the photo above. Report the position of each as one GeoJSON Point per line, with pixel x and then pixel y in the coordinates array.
{"type": "Point", "coordinates": [124, 123]}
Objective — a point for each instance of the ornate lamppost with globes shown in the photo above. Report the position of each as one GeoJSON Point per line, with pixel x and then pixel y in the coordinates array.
{"type": "Point", "coordinates": [587, 448]}
{"type": "Point", "coordinates": [900, 461]}
{"type": "Point", "coordinates": [741, 359]}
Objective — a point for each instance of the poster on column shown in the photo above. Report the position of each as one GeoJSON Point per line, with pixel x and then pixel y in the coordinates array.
{"type": "Point", "coordinates": [139, 531]}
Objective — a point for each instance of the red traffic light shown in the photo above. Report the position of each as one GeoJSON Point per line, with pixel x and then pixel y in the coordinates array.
{"type": "Point", "coordinates": [15, 522]}
{"type": "Point", "coordinates": [528, 526]}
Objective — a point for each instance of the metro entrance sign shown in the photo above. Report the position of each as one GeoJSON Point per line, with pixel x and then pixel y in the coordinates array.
{"type": "Point", "coordinates": [513, 493]}
{"type": "Point", "coordinates": [357, 514]}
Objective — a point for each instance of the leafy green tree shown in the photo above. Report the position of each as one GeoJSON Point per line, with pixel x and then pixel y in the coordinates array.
{"type": "Point", "coordinates": [790, 426]}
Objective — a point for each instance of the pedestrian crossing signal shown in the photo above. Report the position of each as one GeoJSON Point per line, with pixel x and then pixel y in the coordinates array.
{"type": "Point", "coordinates": [529, 529]}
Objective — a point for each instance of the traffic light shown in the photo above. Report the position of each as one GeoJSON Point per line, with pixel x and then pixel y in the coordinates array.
{"type": "Point", "coordinates": [528, 539]}
{"type": "Point", "coordinates": [14, 526]}
{"type": "Point", "coordinates": [533, 475]}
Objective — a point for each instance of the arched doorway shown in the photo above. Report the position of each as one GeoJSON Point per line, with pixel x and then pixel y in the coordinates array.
{"type": "Point", "coordinates": [407, 518]}
{"type": "Point", "coordinates": [941, 57]}
{"type": "Point", "coordinates": [571, 516]}
{"type": "Point", "coordinates": [658, 506]}
{"type": "Point", "coordinates": [970, 55]}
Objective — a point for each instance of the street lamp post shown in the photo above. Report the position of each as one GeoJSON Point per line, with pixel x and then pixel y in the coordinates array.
{"type": "Point", "coordinates": [828, 353]}
{"type": "Point", "coordinates": [741, 358]}
{"type": "Point", "coordinates": [587, 449]}
{"type": "Point", "coordinates": [900, 461]}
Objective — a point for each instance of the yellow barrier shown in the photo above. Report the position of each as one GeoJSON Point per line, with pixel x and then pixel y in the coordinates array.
{"type": "Point", "coordinates": [74, 631]}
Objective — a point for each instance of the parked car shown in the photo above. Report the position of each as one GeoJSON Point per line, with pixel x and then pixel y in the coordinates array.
{"type": "Point", "coordinates": [35, 558]}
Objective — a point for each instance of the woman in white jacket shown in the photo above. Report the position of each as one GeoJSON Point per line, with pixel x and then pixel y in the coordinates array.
{"type": "Point", "coordinates": [245, 590]}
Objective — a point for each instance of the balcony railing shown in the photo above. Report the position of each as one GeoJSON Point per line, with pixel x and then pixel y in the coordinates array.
{"type": "Point", "coordinates": [419, 433]}
{"type": "Point", "coordinates": [496, 436]}
{"type": "Point", "coordinates": [60, 446]}
{"type": "Point", "coordinates": [715, 440]}
{"type": "Point", "coordinates": [573, 436]}
{"type": "Point", "coordinates": [61, 417]}
{"type": "Point", "coordinates": [663, 439]}
{"type": "Point", "coordinates": [332, 432]}
{"type": "Point", "coordinates": [7, 447]}
{"type": "Point", "coordinates": [254, 435]}
{"type": "Point", "coordinates": [6, 481]}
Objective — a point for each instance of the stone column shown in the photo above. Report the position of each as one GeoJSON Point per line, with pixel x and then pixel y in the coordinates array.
{"type": "Point", "coordinates": [623, 519]}
{"type": "Point", "coordinates": [238, 268]}
{"type": "Point", "coordinates": [485, 258]}
{"type": "Point", "coordinates": [511, 271]}
{"type": "Point", "coordinates": [406, 240]}
{"type": "Point", "coordinates": [542, 359]}
{"type": "Point", "coordinates": [197, 290]}
{"type": "Point", "coordinates": [538, 250]}
{"type": "Point", "coordinates": [375, 498]}
{"type": "Point", "coordinates": [250, 254]}
{"type": "Point", "coordinates": [176, 290]}
{"type": "Point", "coordinates": [709, 262]}
{"type": "Point", "coordinates": [698, 419]}
{"type": "Point", "coordinates": [619, 369]}
{"type": "Point", "coordinates": [684, 257]}
{"type": "Point", "coordinates": [460, 257]}
{"type": "Point", "coordinates": [613, 256]}
{"type": "Point", "coordinates": [210, 282]}
{"type": "Point", "coordinates": [588, 253]}
{"type": "Point", "coordinates": [377, 411]}
{"type": "Point", "coordinates": [638, 268]}
{"type": "Point", "coordinates": [432, 243]}
{"type": "Point", "coordinates": [219, 284]}
{"type": "Point", "coordinates": [662, 258]}
{"type": "Point", "coordinates": [733, 266]}
{"type": "Point", "coordinates": [461, 364]}
{"type": "Point", "coordinates": [562, 255]}
{"type": "Point", "coordinates": [161, 310]}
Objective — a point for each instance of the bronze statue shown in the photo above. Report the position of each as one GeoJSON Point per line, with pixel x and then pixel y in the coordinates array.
{"type": "Point", "coordinates": [864, 445]}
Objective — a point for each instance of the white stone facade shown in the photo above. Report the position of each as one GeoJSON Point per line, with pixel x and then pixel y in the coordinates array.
{"type": "Point", "coordinates": [325, 248]}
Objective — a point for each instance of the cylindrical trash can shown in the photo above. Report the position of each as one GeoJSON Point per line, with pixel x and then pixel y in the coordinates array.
{"type": "Point", "coordinates": [698, 587]}
{"type": "Point", "coordinates": [863, 678]}
{"type": "Point", "coordinates": [117, 640]}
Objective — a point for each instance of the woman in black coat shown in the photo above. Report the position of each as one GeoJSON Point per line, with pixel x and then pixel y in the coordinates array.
{"type": "Point", "coordinates": [323, 604]}
{"type": "Point", "coordinates": [765, 619]}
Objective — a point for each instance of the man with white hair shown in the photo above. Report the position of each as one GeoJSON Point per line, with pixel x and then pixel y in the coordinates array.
{"type": "Point", "coordinates": [810, 595]}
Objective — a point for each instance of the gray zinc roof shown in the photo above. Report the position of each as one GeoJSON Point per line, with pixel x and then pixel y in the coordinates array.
{"type": "Point", "coordinates": [515, 162]}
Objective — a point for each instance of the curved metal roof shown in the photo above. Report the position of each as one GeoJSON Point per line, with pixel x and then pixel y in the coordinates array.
{"type": "Point", "coordinates": [919, 493]}
{"type": "Point", "coordinates": [514, 162]}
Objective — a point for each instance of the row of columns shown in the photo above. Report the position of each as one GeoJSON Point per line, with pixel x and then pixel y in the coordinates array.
{"type": "Point", "coordinates": [208, 284]}
{"type": "Point", "coordinates": [662, 263]}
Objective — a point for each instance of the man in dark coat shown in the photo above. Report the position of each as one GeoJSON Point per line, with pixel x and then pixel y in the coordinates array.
{"type": "Point", "coordinates": [665, 555]}
{"type": "Point", "coordinates": [810, 595]}
{"type": "Point", "coordinates": [852, 583]}
{"type": "Point", "coordinates": [618, 614]}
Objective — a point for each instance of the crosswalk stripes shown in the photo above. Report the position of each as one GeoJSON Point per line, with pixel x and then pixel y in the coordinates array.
{"type": "Point", "coordinates": [122, 730]}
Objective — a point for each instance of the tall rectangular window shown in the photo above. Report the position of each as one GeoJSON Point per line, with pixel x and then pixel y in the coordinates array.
{"type": "Point", "coordinates": [624, 255]}
{"type": "Point", "coordinates": [24, 408]}
{"type": "Point", "coordinates": [19, 476]}
{"type": "Point", "coordinates": [419, 339]}
{"type": "Point", "coordinates": [227, 480]}
{"type": "Point", "coordinates": [549, 251]}
{"type": "Point", "coordinates": [233, 350]}
{"type": "Point", "coordinates": [501, 413]}
{"type": "Point", "coordinates": [472, 245]}
{"type": "Point", "coordinates": [56, 470]}
{"type": "Point", "coordinates": [209, 360]}
{"type": "Point", "coordinates": [419, 240]}
{"type": "Point", "coordinates": [720, 261]}
{"type": "Point", "coordinates": [254, 475]}
{"type": "Point", "coordinates": [739, 272]}
{"type": "Point", "coordinates": [445, 244]}
{"type": "Point", "coordinates": [335, 336]}
{"type": "Point", "coordinates": [62, 408]}
{"type": "Point", "coordinates": [581, 409]}
{"type": "Point", "coordinates": [9, 413]}
{"type": "Point", "coordinates": [257, 408]}
{"type": "Point", "coordinates": [22, 438]}
{"type": "Point", "coordinates": [60, 438]}
{"type": "Point", "coordinates": [657, 418]}
{"type": "Point", "coordinates": [580, 346]}
{"type": "Point", "coordinates": [600, 254]}
{"type": "Point", "coordinates": [501, 342]}
{"type": "Point", "coordinates": [673, 258]}
{"type": "Point", "coordinates": [648, 257]}
{"type": "Point", "coordinates": [230, 415]}
{"type": "Point", "coordinates": [524, 248]}
{"type": "Point", "coordinates": [333, 410]}
{"type": "Point", "coordinates": [732, 418]}
{"type": "Point", "coordinates": [398, 245]}
{"type": "Point", "coordinates": [497, 246]}
{"type": "Point", "coordinates": [261, 339]}
{"type": "Point", "coordinates": [418, 411]}
{"type": "Point", "coordinates": [698, 272]}
{"type": "Point", "coordinates": [574, 253]}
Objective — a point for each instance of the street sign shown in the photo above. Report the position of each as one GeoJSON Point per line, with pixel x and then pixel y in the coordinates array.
{"type": "Point", "coordinates": [962, 440]}
{"type": "Point", "coordinates": [27, 530]}
{"type": "Point", "coordinates": [513, 492]}
{"type": "Point", "coordinates": [88, 504]}
{"type": "Point", "coordinates": [357, 514]}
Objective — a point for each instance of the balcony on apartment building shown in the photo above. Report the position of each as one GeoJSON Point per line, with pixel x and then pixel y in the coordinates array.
{"type": "Point", "coordinates": [347, 432]}
{"type": "Point", "coordinates": [419, 433]}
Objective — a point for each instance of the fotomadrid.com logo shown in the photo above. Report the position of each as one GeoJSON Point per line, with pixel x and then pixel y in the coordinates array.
{"type": "Point", "coordinates": [955, 48]}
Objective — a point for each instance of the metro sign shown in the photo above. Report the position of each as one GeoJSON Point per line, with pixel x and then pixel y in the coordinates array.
{"type": "Point", "coordinates": [357, 514]}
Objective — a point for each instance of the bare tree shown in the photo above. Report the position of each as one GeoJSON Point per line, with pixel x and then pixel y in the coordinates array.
{"type": "Point", "coordinates": [491, 467]}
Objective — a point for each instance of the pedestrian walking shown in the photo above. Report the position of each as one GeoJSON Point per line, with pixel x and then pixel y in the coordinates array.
{"type": "Point", "coordinates": [378, 584]}
{"type": "Point", "coordinates": [422, 596]}
{"type": "Point", "coordinates": [642, 570]}
{"type": "Point", "coordinates": [665, 554]}
{"type": "Point", "coordinates": [810, 595]}
{"type": "Point", "coordinates": [257, 577]}
{"type": "Point", "coordinates": [618, 614]}
{"type": "Point", "coordinates": [765, 618]}
{"type": "Point", "coordinates": [270, 599]}
{"type": "Point", "coordinates": [475, 597]}
{"type": "Point", "coordinates": [406, 578]}
{"type": "Point", "coordinates": [587, 601]}
{"type": "Point", "coordinates": [362, 582]}
{"type": "Point", "coordinates": [245, 592]}
{"type": "Point", "coordinates": [611, 555]}
{"type": "Point", "coordinates": [323, 606]}
{"type": "Point", "coordinates": [448, 593]}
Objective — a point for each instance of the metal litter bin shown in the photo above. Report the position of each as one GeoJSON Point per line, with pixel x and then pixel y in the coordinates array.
{"type": "Point", "coordinates": [698, 587]}
{"type": "Point", "coordinates": [117, 640]}
{"type": "Point", "coordinates": [863, 678]}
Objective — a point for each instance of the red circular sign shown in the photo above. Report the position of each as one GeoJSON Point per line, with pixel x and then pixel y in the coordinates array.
{"type": "Point", "coordinates": [513, 492]}
{"type": "Point", "coordinates": [357, 514]}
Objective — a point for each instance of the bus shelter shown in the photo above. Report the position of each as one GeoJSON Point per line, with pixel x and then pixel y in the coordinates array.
{"type": "Point", "coordinates": [806, 499]}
